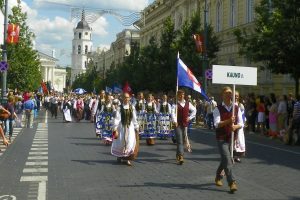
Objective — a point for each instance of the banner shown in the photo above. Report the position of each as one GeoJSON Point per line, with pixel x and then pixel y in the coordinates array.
{"type": "Point", "coordinates": [13, 33]}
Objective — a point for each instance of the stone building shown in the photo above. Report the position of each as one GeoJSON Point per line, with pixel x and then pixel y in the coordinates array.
{"type": "Point", "coordinates": [51, 72]}
{"type": "Point", "coordinates": [224, 16]}
{"type": "Point", "coordinates": [106, 59]}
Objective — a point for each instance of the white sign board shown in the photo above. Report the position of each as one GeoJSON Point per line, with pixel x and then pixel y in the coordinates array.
{"type": "Point", "coordinates": [235, 75]}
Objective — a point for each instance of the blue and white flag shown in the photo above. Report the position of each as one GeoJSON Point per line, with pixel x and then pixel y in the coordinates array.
{"type": "Point", "coordinates": [117, 90]}
{"type": "Point", "coordinates": [187, 79]}
{"type": "Point", "coordinates": [108, 90]}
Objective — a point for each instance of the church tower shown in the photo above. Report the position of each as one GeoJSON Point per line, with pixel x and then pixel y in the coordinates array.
{"type": "Point", "coordinates": [81, 46]}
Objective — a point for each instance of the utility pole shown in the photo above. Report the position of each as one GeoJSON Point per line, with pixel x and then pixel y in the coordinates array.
{"type": "Point", "coordinates": [4, 54]}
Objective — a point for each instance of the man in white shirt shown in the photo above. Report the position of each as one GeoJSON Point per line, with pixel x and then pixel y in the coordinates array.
{"type": "Point", "coordinates": [185, 113]}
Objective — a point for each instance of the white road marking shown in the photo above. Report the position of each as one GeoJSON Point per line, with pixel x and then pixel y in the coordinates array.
{"type": "Point", "coordinates": [34, 178]}
{"type": "Point", "coordinates": [38, 153]}
{"type": "Point", "coordinates": [38, 158]}
{"type": "Point", "coordinates": [35, 170]}
{"type": "Point", "coordinates": [42, 191]}
{"type": "Point", "coordinates": [39, 145]}
{"type": "Point", "coordinates": [39, 149]}
{"type": "Point", "coordinates": [37, 163]}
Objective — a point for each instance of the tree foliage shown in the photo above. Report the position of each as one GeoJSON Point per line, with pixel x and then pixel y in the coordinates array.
{"type": "Point", "coordinates": [275, 41]}
{"type": "Point", "coordinates": [24, 65]}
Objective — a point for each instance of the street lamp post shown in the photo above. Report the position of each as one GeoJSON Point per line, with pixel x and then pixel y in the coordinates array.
{"type": "Point", "coordinates": [4, 54]}
{"type": "Point", "coordinates": [205, 58]}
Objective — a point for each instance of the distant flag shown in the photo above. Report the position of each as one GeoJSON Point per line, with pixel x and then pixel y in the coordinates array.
{"type": "Point", "coordinates": [199, 40]}
{"type": "Point", "coordinates": [40, 90]}
{"type": "Point", "coordinates": [187, 79]}
{"type": "Point", "coordinates": [44, 87]}
{"type": "Point", "coordinates": [127, 88]}
{"type": "Point", "coordinates": [117, 90]}
{"type": "Point", "coordinates": [108, 90]}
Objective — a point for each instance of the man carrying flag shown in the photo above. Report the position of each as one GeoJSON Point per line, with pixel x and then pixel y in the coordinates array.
{"type": "Point", "coordinates": [185, 111]}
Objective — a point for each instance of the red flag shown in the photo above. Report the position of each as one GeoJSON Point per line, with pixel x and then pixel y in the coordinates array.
{"type": "Point", "coordinates": [45, 90]}
{"type": "Point", "coordinates": [199, 40]}
{"type": "Point", "coordinates": [127, 88]}
{"type": "Point", "coordinates": [13, 33]}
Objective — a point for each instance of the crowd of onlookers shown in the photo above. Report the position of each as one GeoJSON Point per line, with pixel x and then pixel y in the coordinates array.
{"type": "Point", "coordinates": [269, 115]}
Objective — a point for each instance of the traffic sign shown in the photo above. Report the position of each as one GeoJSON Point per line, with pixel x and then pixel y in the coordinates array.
{"type": "Point", "coordinates": [3, 66]}
{"type": "Point", "coordinates": [208, 74]}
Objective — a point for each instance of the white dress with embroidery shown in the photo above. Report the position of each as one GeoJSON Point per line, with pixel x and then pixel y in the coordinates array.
{"type": "Point", "coordinates": [122, 147]}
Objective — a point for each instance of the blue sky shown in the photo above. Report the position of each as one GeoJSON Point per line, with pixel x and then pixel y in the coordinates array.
{"type": "Point", "coordinates": [51, 22]}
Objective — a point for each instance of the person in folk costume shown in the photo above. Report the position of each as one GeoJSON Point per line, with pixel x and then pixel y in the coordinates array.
{"type": "Point", "coordinates": [99, 102]}
{"type": "Point", "coordinates": [151, 110]}
{"type": "Point", "coordinates": [165, 111]}
{"type": "Point", "coordinates": [67, 106]}
{"type": "Point", "coordinates": [93, 108]}
{"type": "Point", "coordinates": [185, 113]}
{"type": "Point", "coordinates": [78, 106]}
{"type": "Point", "coordinates": [239, 144]}
{"type": "Point", "coordinates": [125, 143]}
{"type": "Point", "coordinates": [226, 122]}
{"type": "Point", "coordinates": [140, 110]}
{"type": "Point", "coordinates": [87, 110]}
{"type": "Point", "coordinates": [107, 110]}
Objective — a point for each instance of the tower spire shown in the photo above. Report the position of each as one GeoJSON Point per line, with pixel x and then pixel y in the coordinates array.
{"type": "Point", "coordinates": [83, 15]}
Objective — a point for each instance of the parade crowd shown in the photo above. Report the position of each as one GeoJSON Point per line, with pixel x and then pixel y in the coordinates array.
{"type": "Point", "coordinates": [122, 120]}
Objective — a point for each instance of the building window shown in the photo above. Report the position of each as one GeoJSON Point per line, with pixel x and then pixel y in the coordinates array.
{"type": "Point", "coordinates": [86, 49]}
{"type": "Point", "coordinates": [79, 49]}
{"type": "Point", "coordinates": [219, 16]}
{"type": "Point", "coordinates": [73, 49]}
{"type": "Point", "coordinates": [86, 33]}
{"type": "Point", "coordinates": [249, 10]}
{"type": "Point", "coordinates": [233, 13]}
{"type": "Point", "coordinates": [85, 64]}
{"type": "Point", "coordinates": [80, 36]}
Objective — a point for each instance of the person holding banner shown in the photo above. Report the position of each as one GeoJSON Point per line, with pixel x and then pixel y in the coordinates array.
{"type": "Point", "coordinates": [185, 113]}
{"type": "Point", "coordinates": [227, 123]}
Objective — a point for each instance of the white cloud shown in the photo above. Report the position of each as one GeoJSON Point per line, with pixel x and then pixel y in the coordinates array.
{"type": "Point", "coordinates": [132, 5]}
{"type": "Point", "coordinates": [56, 32]}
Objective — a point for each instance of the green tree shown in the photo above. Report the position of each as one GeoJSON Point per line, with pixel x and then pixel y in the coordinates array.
{"type": "Point", "coordinates": [186, 44]}
{"type": "Point", "coordinates": [24, 65]}
{"type": "Point", "coordinates": [275, 41]}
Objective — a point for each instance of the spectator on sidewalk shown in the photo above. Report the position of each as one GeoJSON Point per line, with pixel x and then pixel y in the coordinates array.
{"type": "Point", "coordinates": [273, 131]}
{"type": "Point", "coordinates": [282, 115]}
{"type": "Point", "coordinates": [5, 142]}
{"type": "Point", "coordinates": [28, 107]}
{"type": "Point", "coordinates": [11, 108]}
{"type": "Point", "coordinates": [261, 115]}
{"type": "Point", "coordinates": [210, 106]}
{"type": "Point", "coordinates": [19, 112]}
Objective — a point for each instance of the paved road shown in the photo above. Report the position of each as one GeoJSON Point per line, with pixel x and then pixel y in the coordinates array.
{"type": "Point", "coordinates": [64, 161]}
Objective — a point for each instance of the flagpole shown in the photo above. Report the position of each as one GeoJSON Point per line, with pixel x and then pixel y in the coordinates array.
{"type": "Point", "coordinates": [176, 98]}
{"type": "Point", "coordinates": [233, 110]}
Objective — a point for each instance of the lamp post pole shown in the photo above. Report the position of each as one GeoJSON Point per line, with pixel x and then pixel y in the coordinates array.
{"type": "Point", "coordinates": [205, 58]}
{"type": "Point", "coordinates": [4, 54]}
